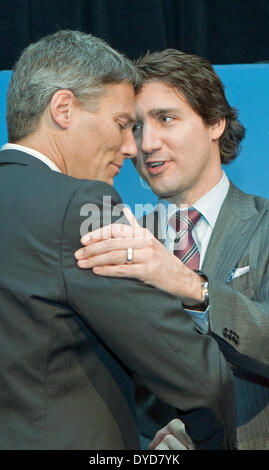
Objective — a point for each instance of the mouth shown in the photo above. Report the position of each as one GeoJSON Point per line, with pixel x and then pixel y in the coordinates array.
{"type": "Point", "coordinates": [117, 167]}
{"type": "Point", "coordinates": [157, 167]}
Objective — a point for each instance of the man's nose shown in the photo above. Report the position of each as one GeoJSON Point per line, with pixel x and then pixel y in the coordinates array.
{"type": "Point", "coordinates": [129, 147]}
{"type": "Point", "coordinates": [150, 140]}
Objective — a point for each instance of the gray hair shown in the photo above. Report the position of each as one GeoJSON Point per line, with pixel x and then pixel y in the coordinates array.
{"type": "Point", "coordinates": [69, 60]}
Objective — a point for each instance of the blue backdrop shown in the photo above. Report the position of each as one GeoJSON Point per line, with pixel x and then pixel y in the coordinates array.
{"type": "Point", "coordinates": [246, 89]}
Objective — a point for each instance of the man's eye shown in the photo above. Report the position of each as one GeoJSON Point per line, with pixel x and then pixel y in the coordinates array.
{"type": "Point", "coordinates": [166, 118]}
{"type": "Point", "coordinates": [122, 125]}
{"type": "Point", "coordinates": [137, 128]}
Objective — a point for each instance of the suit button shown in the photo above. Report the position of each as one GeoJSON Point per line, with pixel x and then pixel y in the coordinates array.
{"type": "Point", "coordinates": [225, 332]}
{"type": "Point", "coordinates": [230, 334]}
{"type": "Point", "coordinates": [236, 338]}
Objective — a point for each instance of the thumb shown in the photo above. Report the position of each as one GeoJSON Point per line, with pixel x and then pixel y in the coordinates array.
{"type": "Point", "coordinates": [130, 217]}
{"type": "Point", "coordinates": [136, 228]}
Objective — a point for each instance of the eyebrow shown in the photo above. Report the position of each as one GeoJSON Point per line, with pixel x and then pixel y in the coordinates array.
{"type": "Point", "coordinates": [157, 111]}
{"type": "Point", "coordinates": [127, 116]}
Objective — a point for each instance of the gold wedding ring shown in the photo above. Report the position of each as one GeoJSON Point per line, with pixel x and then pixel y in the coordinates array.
{"type": "Point", "coordinates": [129, 256]}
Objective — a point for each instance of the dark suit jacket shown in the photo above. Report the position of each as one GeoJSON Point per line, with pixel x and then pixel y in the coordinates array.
{"type": "Point", "coordinates": [70, 340]}
{"type": "Point", "coordinates": [239, 313]}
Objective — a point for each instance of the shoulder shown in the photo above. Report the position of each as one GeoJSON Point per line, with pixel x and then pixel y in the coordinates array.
{"type": "Point", "coordinates": [60, 187]}
{"type": "Point", "coordinates": [238, 199]}
{"type": "Point", "coordinates": [23, 170]}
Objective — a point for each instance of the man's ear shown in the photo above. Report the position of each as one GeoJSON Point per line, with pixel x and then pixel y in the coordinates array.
{"type": "Point", "coordinates": [61, 106]}
{"type": "Point", "coordinates": [218, 128]}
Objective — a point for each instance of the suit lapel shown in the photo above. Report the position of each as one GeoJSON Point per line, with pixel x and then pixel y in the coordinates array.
{"type": "Point", "coordinates": [237, 221]}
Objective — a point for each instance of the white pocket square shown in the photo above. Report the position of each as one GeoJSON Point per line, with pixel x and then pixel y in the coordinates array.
{"type": "Point", "coordinates": [236, 272]}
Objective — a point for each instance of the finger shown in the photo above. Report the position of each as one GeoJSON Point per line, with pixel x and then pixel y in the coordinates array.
{"type": "Point", "coordinates": [130, 217]}
{"type": "Point", "coordinates": [158, 438]}
{"type": "Point", "coordinates": [178, 442]}
{"type": "Point", "coordinates": [138, 230]}
{"type": "Point", "coordinates": [109, 231]}
{"type": "Point", "coordinates": [177, 428]}
{"type": "Point", "coordinates": [112, 258]}
{"type": "Point", "coordinates": [173, 444]}
{"type": "Point", "coordinates": [124, 270]}
{"type": "Point", "coordinates": [96, 235]}
{"type": "Point", "coordinates": [115, 231]}
{"type": "Point", "coordinates": [109, 245]}
{"type": "Point", "coordinates": [116, 257]}
{"type": "Point", "coordinates": [161, 446]}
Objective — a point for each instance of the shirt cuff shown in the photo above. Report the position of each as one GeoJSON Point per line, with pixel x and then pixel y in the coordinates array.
{"type": "Point", "coordinates": [200, 319]}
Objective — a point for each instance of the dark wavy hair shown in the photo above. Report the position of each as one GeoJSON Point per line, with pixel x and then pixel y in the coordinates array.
{"type": "Point", "coordinates": [196, 79]}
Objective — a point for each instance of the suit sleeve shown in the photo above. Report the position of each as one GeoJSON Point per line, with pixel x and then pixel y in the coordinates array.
{"type": "Point", "coordinates": [145, 328]}
{"type": "Point", "coordinates": [242, 320]}
{"type": "Point", "coordinates": [239, 309]}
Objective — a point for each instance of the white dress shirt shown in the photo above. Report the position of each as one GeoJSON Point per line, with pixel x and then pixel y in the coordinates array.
{"type": "Point", "coordinates": [209, 206]}
{"type": "Point", "coordinates": [34, 153]}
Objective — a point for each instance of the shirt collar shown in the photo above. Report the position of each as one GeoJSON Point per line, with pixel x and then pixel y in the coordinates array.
{"type": "Point", "coordinates": [208, 205]}
{"type": "Point", "coordinates": [34, 153]}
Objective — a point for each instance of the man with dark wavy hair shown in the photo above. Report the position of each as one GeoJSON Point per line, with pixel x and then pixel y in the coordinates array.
{"type": "Point", "coordinates": [71, 341]}
{"type": "Point", "coordinates": [186, 130]}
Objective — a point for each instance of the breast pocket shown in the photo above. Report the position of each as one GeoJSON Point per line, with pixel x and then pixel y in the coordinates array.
{"type": "Point", "coordinates": [243, 277]}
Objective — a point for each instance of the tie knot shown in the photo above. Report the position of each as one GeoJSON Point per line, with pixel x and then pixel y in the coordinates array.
{"type": "Point", "coordinates": [187, 219]}
{"type": "Point", "coordinates": [185, 247]}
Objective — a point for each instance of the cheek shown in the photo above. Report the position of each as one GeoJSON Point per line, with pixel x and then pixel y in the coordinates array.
{"type": "Point", "coordinates": [190, 145]}
{"type": "Point", "coordinates": [139, 163]}
{"type": "Point", "coordinates": [114, 141]}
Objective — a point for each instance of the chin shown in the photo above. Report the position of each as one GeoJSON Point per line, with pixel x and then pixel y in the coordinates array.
{"type": "Point", "coordinates": [161, 191]}
{"type": "Point", "coordinates": [165, 192]}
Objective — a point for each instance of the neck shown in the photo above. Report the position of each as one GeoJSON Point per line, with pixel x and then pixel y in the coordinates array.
{"type": "Point", "coordinates": [47, 147]}
{"type": "Point", "coordinates": [189, 198]}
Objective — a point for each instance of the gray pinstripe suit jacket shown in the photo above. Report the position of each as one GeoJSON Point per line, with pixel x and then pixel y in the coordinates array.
{"type": "Point", "coordinates": [239, 318]}
{"type": "Point", "coordinates": [240, 308]}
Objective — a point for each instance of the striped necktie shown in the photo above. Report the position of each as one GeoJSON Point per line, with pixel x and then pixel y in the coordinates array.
{"type": "Point", "coordinates": [185, 247]}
